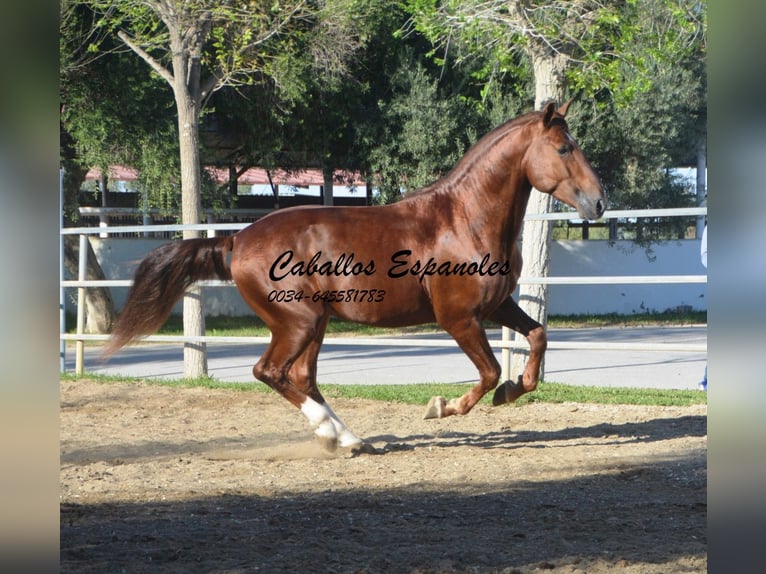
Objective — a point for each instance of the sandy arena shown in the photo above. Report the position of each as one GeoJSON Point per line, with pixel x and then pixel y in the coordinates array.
{"type": "Point", "coordinates": [156, 479]}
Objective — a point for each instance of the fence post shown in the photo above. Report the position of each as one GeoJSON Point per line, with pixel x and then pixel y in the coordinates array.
{"type": "Point", "coordinates": [505, 364]}
{"type": "Point", "coordinates": [62, 290]}
{"type": "Point", "coordinates": [81, 273]}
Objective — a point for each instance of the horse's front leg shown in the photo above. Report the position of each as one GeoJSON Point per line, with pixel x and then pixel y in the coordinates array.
{"type": "Point", "coordinates": [473, 341]}
{"type": "Point", "coordinates": [510, 315]}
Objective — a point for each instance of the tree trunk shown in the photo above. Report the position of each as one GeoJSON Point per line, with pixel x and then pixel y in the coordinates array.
{"type": "Point", "coordinates": [195, 354]}
{"type": "Point", "coordinates": [327, 185]}
{"type": "Point", "coordinates": [99, 305]}
{"type": "Point", "coordinates": [188, 29]}
{"type": "Point", "coordinates": [100, 312]}
{"type": "Point", "coordinates": [550, 81]}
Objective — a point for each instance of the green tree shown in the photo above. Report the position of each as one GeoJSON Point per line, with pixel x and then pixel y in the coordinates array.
{"type": "Point", "coordinates": [269, 127]}
{"type": "Point", "coordinates": [424, 132]}
{"type": "Point", "coordinates": [634, 147]}
{"type": "Point", "coordinates": [198, 47]}
{"type": "Point", "coordinates": [112, 111]}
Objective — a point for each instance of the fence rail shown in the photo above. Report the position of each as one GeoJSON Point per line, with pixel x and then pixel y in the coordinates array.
{"type": "Point", "coordinates": [566, 215]}
{"type": "Point", "coordinates": [505, 343]}
{"type": "Point", "coordinates": [406, 342]}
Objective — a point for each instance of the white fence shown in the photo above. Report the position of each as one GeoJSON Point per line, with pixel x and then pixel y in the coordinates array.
{"type": "Point", "coordinates": [506, 343]}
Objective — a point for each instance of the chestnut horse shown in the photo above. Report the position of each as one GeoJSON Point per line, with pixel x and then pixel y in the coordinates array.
{"type": "Point", "coordinates": [446, 253]}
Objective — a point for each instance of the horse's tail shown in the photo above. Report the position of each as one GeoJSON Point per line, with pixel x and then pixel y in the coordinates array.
{"type": "Point", "coordinates": [160, 281]}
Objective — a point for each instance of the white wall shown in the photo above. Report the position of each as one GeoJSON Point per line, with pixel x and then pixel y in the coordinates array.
{"type": "Point", "coordinates": [586, 258]}
{"type": "Point", "coordinates": [119, 257]}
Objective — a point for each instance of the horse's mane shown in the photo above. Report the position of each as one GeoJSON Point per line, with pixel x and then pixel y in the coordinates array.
{"type": "Point", "coordinates": [478, 149]}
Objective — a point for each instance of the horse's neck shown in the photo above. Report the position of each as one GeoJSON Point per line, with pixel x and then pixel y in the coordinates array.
{"type": "Point", "coordinates": [497, 197]}
{"type": "Point", "coordinates": [489, 213]}
{"type": "Point", "coordinates": [486, 193]}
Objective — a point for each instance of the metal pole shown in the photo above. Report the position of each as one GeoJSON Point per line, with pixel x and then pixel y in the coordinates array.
{"type": "Point", "coordinates": [81, 272]}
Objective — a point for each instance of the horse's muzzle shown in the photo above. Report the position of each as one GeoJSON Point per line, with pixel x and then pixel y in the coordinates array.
{"type": "Point", "coordinates": [600, 207]}
{"type": "Point", "coordinates": [591, 209]}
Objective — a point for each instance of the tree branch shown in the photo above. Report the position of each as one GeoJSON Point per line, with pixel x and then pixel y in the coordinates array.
{"type": "Point", "coordinates": [213, 82]}
{"type": "Point", "coordinates": [156, 66]}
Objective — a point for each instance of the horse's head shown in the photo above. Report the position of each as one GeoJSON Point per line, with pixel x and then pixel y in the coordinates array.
{"type": "Point", "coordinates": [555, 164]}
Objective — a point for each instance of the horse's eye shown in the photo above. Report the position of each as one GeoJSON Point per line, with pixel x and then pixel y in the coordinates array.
{"type": "Point", "coordinates": [565, 149]}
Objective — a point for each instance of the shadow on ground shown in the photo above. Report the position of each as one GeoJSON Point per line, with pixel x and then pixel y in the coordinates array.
{"type": "Point", "coordinates": [518, 527]}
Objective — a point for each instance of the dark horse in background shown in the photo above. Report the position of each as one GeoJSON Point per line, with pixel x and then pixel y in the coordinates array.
{"type": "Point", "coordinates": [446, 253]}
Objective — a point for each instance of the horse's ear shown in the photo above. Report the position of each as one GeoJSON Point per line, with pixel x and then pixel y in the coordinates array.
{"type": "Point", "coordinates": [548, 111]}
{"type": "Point", "coordinates": [565, 108]}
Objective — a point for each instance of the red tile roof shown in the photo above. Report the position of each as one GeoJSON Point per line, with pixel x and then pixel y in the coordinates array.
{"type": "Point", "coordinates": [252, 176]}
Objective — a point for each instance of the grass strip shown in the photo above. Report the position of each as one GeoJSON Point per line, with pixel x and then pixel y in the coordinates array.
{"type": "Point", "coordinates": [547, 392]}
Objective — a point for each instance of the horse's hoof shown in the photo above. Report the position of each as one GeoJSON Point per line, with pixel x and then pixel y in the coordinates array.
{"type": "Point", "coordinates": [508, 392]}
{"type": "Point", "coordinates": [349, 440]}
{"type": "Point", "coordinates": [435, 408]}
{"type": "Point", "coordinates": [501, 396]}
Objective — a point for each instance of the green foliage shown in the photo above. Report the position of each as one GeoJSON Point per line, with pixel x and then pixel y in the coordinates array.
{"type": "Point", "coordinates": [158, 165]}
{"type": "Point", "coordinates": [279, 46]}
{"type": "Point", "coordinates": [633, 41]}
{"type": "Point", "coordinates": [632, 147]}
{"type": "Point", "coordinates": [397, 91]}
{"type": "Point", "coordinates": [114, 112]}
{"type": "Point", "coordinates": [425, 134]}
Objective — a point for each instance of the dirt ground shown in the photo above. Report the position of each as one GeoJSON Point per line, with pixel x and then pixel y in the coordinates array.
{"type": "Point", "coordinates": [155, 479]}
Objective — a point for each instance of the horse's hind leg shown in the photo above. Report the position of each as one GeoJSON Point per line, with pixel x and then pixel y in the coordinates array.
{"type": "Point", "coordinates": [303, 375]}
{"type": "Point", "coordinates": [273, 368]}
{"type": "Point", "coordinates": [510, 315]}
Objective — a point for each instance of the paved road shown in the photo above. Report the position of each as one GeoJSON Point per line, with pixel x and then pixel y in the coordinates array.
{"type": "Point", "coordinates": [346, 364]}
